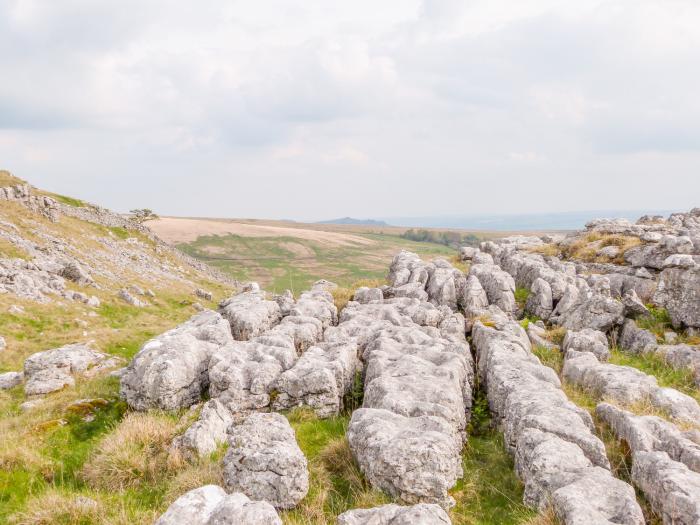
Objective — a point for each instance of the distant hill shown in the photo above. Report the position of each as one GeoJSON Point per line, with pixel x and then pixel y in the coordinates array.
{"type": "Point", "coordinates": [356, 222]}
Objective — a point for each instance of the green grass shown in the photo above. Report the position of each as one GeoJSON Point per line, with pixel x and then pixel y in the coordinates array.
{"type": "Point", "coordinates": [658, 321]}
{"type": "Point", "coordinates": [521, 295]}
{"type": "Point", "coordinates": [655, 365]}
{"type": "Point", "coordinates": [550, 357]}
{"type": "Point", "coordinates": [490, 492]}
{"type": "Point", "coordinates": [70, 201]}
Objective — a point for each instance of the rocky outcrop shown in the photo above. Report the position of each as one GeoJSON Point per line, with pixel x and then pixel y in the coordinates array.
{"type": "Point", "coordinates": [627, 386]}
{"type": "Point", "coordinates": [210, 505]}
{"type": "Point", "coordinates": [422, 514]}
{"type": "Point", "coordinates": [408, 435]}
{"type": "Point", "coordinates": [672, 488]}
{"type": "Point", "coordinates": [498, 285]}
{"type": "Point", "coordinates": [682, 357]}
{"type": "Point", "coordinates": [264, 461]}
{"type": "Point", "coordinates": [52, 370]}
{"type": "Point", "coordinates": [320, 379]}
{"type": "Point", "coordinates": [241, 374]}
{"type": "Point", "coordinates": [539, 302]}
{"type": "Point", "coordinates": [651, 433]}
{"type": "Point", "coordinates": [557, 456]}
{"type": "Point", "coordinates": [171, 370]}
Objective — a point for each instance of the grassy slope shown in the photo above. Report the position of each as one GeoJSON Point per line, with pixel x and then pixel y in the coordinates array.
{"type": "Point", "coordinates": [43, 451]}
{"type": "Point", "coordinates": [280, 263]}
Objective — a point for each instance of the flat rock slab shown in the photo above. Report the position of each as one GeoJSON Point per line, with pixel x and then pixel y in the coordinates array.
{"type": "Point", "coordinates": [264, 461]}
{"type": "Point", "coordinates": [210, 505]}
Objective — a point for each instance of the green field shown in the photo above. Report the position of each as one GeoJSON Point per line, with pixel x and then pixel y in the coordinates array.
{"type": "Point", "coordinates": [280, 263]}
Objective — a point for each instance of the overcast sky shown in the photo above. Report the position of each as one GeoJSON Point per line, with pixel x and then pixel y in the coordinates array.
{"type": "Point", "coordinates": [313, 109]}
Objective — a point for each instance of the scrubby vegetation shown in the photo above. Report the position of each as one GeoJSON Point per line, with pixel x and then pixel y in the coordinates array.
{"type": "Point", "coordinates": [448, 238]}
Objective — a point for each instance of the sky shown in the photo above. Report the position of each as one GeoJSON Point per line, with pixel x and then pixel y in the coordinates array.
{"type": "Point", "coordinates": [316, 109]}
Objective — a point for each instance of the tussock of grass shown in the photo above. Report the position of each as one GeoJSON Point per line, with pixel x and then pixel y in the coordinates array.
{"type": "Point", "coordinates": [657, 321]}
{"type": "Point", "coordinates": [489, 492]}
{"type": "Point", "coordinates": [556, 335]}
{"type": "Point", "coordinates": [586, 248]}
{"type": "Point", "coordinates": [521, 295]}
{"type": "Point", "coordinates": [54, 507]}
{"type": "Point", "coordinates": [336, 482]}
{"type": "Point", "coordinates": [134, 454]}
{"type": "Point", "coordinates": [458, 263]}
{"type": "Point", "coordinates": [548, 250]}
{"type": "Point", "coordinates": [550, 357]}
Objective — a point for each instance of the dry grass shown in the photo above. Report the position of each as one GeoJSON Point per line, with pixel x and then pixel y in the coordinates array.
{"type": "Point", "coordinates": [546, 517]}
{"type": "Point", "coordinates": [459, 264]}
{"type": "Point", "coordinates": [586, 248]}
{"type": "Point", "coordinates": [343, 295]}
{"type": "Point", "coordinates": [548, 250]}
{"type": "Point", "coordinates": [556, 335]}
{"type": "Point", "coordinates": [7, 179]}
{"type": "Point", "coordinates": [134, 454]}
{"type": "Point", "coordinates": [54, 507]}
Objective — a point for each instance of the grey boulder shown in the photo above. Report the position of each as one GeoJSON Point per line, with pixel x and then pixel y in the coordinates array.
{"type": "Point", "coordinates": [420, 514]}
{"type": "Point", "coordinates": [264, 461]}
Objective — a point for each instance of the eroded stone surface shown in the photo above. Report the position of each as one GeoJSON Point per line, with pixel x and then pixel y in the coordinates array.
{"type": "Point", "coordinates": [420, 514]}
{"type": "Point", "coordinates": [264, 461]}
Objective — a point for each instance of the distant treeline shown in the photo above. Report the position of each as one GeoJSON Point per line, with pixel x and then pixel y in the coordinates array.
{"type": "Point", "coordinates": [454, 239]}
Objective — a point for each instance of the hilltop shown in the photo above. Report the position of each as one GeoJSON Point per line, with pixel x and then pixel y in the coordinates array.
{"type": "Point", "coordinates": [357, 222]}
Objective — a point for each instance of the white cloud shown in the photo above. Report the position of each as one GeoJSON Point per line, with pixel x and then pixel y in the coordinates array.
{"type": "Point", "coordinates": [397, 108]}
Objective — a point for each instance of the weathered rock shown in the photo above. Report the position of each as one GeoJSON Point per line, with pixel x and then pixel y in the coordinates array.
{"type": "Point", "coordinates": [10, 380]}
{"type": "Point", "coordinates": [595, 311]}
{"type": "Point", "coordinates": [317, 303]}
{"type": "Point", "coordinates": [208, 432]}
{"type": "Point", "coordinates": [242, 374]}
{"type": "Point", "coordinates": [367, 295]}
{"type": "Point", "coordinates": [264, 461]}
{"type": "Point", "coordinates": [672, 488]}
{"type": "Point", "coordinates": [420, 514]}
{"type": "Point", "coordinates": [651, 433]}
{"type": "Point", "coordinates": [170, 371]}
{"type": "Point", "coordinates": [204, 294]}
{"type": "Point", "coordinates": [482, 258]}
{"type": "Point", "coordinates": [498, 285]}
{"type": "Point", "coordinates": [537, 335]}
{"type": "Point", "coordinates": [445, 283]}
{"type": "Point", "coordinates": [635, 339]}
{"type": "Point", "coordinates": [467, 253]}
{"type": "Point", "coordinates": [561, 462]}
{"type": "Point", "coordinates": [633, 305]}
{"type": "Point", "coordinates": [474, 299]}
{"type": "Point", "coordinates": [679, 292]}
{"type": "Point", "coordinates": [414, 459]}
{"type": "Point", "coordinates": [55, 369]}
{"type": "Point", "coordinates": [653, 255]}
{"type": "Point", "coordinates": [250, 314]}
{"type": "Point", "coordinates": [304, 331]}
{"type": "Point", "coordinates": [210, 505]}
{"type": "Point", "coordinates": [539, 302]}
{"type": "Point", "coordinates": [126, 296]}
{"type": "Point", "coordinates": [73, 271]}
{"type": "Point", "coordinates": [627, 385]}
{"type": "Point", "coordinates": [587, 340]}
{"type": "Point", "coordinates": [319, 379]}
{"type": "Point", "coordinates": [682, 357]}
